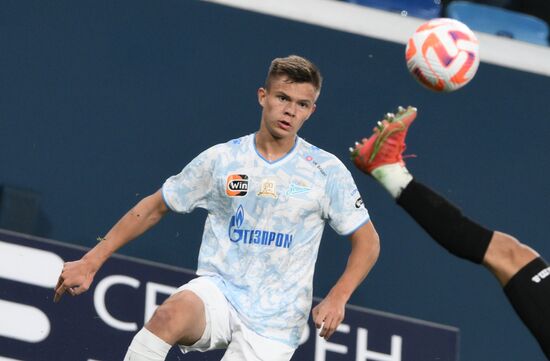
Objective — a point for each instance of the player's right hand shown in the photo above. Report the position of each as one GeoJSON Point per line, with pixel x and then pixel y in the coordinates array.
{"type": "Point", "coordinates": [75, 279]}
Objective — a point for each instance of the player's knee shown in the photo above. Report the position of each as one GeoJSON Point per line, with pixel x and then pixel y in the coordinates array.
{"type": "Point", "coordinates": [163, 322]}
{"type": "Point", "coordinates": [506, 255]}
{"type": "Point", "coordinates": [510, 250]}
{"type": "Point", "coordinates": [179, 319]}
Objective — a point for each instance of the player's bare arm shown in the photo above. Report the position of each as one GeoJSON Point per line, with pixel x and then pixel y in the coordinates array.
{"type": "Point", "coordinates": [365, 248]}
{"type": "Point", "coordinates": [76, 277]}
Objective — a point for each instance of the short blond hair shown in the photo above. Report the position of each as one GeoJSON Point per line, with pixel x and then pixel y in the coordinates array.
{"type": "Point", "coordinates": [297, 69]}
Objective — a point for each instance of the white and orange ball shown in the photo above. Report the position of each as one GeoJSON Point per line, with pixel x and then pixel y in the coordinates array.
{"type": "Point", "coordinates": [443, 54]}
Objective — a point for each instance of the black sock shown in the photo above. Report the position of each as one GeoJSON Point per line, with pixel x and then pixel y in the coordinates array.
{"type": "Point", "coordinates": [444, 222]}
{"type": "Point", "coordinates": [529, 293]}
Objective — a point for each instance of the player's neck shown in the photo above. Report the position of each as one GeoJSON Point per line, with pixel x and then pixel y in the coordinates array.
{"type": "Point", "coordinates": [272, 148]}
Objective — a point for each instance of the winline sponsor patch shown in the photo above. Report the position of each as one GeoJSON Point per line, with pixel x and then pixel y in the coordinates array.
{"type": "Point", "coordinates": [236, 185]}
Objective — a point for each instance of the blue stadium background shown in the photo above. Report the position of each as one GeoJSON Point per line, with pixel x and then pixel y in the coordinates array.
{"type": "Point", "coordinates": [101, 101]}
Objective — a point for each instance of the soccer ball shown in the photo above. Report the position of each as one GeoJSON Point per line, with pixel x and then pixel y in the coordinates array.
{"type": "Point", "coordinates": [442, 54]}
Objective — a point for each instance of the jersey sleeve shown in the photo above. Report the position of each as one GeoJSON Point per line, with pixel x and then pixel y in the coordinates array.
{"type": "Point", "coordinates": [345, 209]}
{"type": "Point", "coordinates": [191, 187]}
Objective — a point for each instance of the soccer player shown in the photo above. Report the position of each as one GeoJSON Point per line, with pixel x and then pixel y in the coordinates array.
{"type": "Point", "coordinates": [523, 274]}
{"type": "Point", "coordinates": [268, 197]}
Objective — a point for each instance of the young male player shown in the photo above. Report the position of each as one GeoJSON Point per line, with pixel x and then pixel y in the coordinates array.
{"type": "Point", "coordinates": [268, 197]}
{"type": "Point", "coordinates": [524, 275]}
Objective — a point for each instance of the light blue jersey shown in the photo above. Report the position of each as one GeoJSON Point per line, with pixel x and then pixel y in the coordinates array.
{"type": "Point", "coordinates": [264, 225]}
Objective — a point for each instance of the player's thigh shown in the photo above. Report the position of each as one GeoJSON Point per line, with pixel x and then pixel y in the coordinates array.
{"type": "Point", "coordinates": [217, 330]}
{"type": "Point", "coordinates": [248, 345]}
{"type": "Point", "coordinates": [180, 318]}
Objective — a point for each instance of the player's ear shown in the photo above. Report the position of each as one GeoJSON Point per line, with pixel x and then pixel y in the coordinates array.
{"type": "Point", "coordinates": [262, 93]}
{"type": "Point", "coordinates": [313, 107]}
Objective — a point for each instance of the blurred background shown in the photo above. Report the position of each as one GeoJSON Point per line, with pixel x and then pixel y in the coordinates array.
{"type": "Point", "coordinates": [101, 101]}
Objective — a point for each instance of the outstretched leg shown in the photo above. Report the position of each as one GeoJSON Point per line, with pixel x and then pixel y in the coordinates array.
{"type": "Point", "coordinates": [524, 275]}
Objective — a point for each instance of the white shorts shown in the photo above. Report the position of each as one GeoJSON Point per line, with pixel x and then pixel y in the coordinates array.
{"type": "Point", "coordinates": [224, 329]}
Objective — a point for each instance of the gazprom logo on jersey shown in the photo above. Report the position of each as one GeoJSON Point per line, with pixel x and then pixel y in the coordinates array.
{"type": "Point", "coordinates": [255, 236]}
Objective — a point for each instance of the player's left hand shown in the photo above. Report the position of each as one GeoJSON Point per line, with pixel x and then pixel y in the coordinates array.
{"type": "Point", "coordinates": [328, 315]}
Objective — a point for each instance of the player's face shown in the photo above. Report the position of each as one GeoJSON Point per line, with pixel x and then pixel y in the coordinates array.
{"type": "Point", "coordinates": [286, 106]}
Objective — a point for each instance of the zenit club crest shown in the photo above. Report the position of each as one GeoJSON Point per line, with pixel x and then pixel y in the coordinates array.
{"type": "Point", "coordinates": [236, 185]}
{"type": "Point", "coordinates": [297, 188]}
